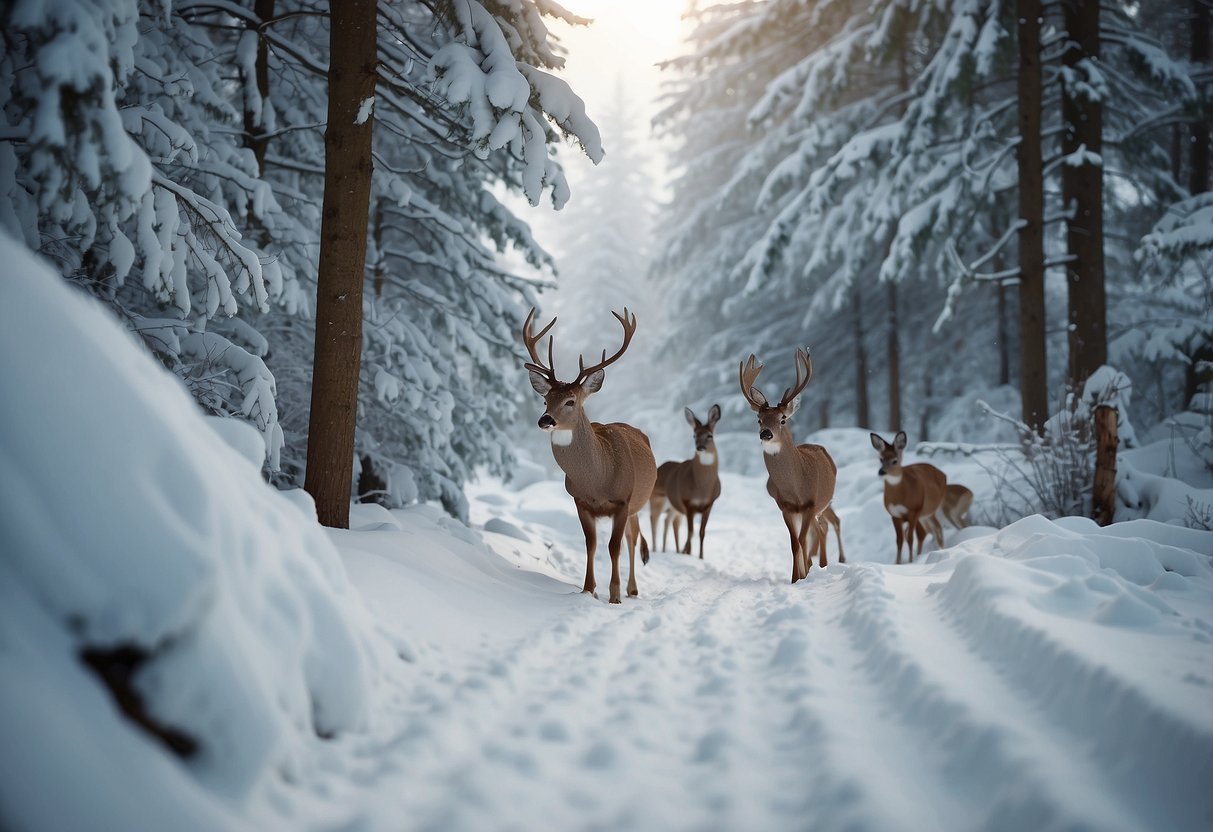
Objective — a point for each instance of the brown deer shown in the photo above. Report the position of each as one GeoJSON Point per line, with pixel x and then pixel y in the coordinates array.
{"type": "Point", "coordinates": [689, 487]}
{"type": "Point", "coordinates": [609, 469]}
{"type": "Point", "coordinates": [912, 494]}
{"type": "Point", "coordinates": [800, 477]}
{"type": "Point", "coordinates": [956, 502]}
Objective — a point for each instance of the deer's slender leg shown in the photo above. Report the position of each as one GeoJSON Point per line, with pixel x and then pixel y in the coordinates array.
{"type": "Point", "coordinates": [703, 527]}
{"type": "Point", "coordinates": [914, 529]}
{"type": "Point", "coordinates": [937, 531]}
{"type": "Point", "coordinates": [619, 524]}
{"type": "Point", "coordinates": [591, 544]}
{"type": "Point", "coordinates": [823, 531]}
{"type": "Point", "coordinates": [633, 537]}
{"type": "Point", "coordinates": [897, 531]}
{"type": "Point", "coordinates": [808, 523]}
{"type": "Point", "coordinates": [794, 533]}
{"type": "Point", "coordinates": [842, 558]}
{"type": "Point", "coordinates": [677, 518]}
{"type": "Point", "coordinates": [686, 550]}
{"type": "Point", "coordinates": [656, 504]}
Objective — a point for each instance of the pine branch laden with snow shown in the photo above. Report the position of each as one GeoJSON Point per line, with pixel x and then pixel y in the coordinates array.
{"type": "Point", "coordinates": [507, 100]}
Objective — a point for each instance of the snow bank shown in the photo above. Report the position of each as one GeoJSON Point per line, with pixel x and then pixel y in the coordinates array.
{"type": "Point", "coordinates": [131, 529]}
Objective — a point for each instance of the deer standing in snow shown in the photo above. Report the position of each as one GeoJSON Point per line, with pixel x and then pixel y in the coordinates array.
{"type": "Point", "coordinates": [800, 477]}
{"type": "Point", "coordinates": [912, 494]}
{"type": "Point", "coordinates": [690, 487]}
{"type": "Point", "coordinates": [609, 469]}
{"type": "Point", "coordinates": [955, 508]}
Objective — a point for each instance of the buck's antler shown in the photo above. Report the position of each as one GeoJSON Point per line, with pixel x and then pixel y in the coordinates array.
{"type": "Point", "coordinates": [748, 374]}
{"type": "Point", "coordinates": [532, 340]}
{"type": "Point", "coordinates": [802, 360]}
{"type": "Point", "coordinates": [629, 329]}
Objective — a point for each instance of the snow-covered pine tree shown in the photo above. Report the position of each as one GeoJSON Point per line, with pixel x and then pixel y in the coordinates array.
{"type": "Point", "coordinates": [122, 162]}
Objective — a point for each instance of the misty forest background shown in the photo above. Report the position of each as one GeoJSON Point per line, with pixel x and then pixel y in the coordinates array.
{"type": "Point", "coordinates": [947, 202]}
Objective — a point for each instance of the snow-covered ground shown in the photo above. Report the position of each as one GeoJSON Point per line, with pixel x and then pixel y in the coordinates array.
{"type": "Point", "coordinates": [415, 673]}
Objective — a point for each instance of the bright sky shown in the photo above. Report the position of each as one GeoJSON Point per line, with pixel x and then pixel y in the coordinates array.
{"type": "Point", "coordinates": [625, 41]}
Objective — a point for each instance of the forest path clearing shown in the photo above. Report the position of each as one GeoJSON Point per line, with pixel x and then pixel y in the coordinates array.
{"type": "Point", "coordinates": [727, 698]}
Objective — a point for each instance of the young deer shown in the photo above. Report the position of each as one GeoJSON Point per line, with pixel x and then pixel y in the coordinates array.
{"type": "Point", "coordinates": [801, 477]}
{"type": "Point", "coordinates": [689, 487]}
{"type": "Point", "coordinates": [609, 469]}
{"type": "Point", "coordinates": [912, 494]}
{"type": "Point", "coordinates": [956, 502]}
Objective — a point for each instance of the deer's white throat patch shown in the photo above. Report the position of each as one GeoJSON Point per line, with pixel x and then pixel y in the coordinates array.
{"type": "Point", "coordinates": [771, 446]}
{"type": "Point", "coordinates": [892, 479]}
{"type": "Point", "coordinates": [563, 438]}
{"type": "Point", "coordinates": [706, 457]}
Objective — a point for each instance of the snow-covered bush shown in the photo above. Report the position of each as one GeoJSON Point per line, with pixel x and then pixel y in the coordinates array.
{"type": "Point", "coordinates": [1052, 473]}
{"type": "Point", "coordinates": [146, 564]}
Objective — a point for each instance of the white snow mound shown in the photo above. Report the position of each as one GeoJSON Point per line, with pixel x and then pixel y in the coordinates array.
{"type": "Point", "coordinates": [126, 521]}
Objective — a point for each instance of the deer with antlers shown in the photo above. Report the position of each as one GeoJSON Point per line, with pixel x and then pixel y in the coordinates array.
{"type": "Point", "coordinates": [609, 469]}
{"type": "Point", "coordinates": [800, 477]}
{"type": "Point", "coordinates": [912, 494]}
{"type": "Point", "coordinates": [690, 487]}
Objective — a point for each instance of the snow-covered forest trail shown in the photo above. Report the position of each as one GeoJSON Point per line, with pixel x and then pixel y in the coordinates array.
{"type": "Point", "coordinates": [868, 697]}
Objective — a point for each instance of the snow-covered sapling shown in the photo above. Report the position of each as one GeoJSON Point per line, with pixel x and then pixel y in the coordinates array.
{"type": "Point", "coordinates": [609, 469]}
{"type": "Point", "coordinates": [800, 477]}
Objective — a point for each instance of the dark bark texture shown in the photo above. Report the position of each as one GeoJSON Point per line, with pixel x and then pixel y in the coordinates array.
{"type": "Point", "coordinates": [1033, 372]}
{"type": "Point", "coordinates": [1082, 191]}
{"type": "Point", "coordinates": [343, 231]}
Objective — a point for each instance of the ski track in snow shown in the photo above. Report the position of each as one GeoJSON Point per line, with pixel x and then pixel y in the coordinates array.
{"type": "Point", "coordinates": [725, 698]}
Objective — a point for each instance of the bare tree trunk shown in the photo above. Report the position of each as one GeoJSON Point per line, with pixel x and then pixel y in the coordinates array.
{"type": "Point", "coordinates": [254, 124]}
{"type": "Point", "coordinates": [1033, 363]}
{"type": "Point", "coordinates": [1103, 494]}
{"type": "Point", "coordinates": [343, 227]}
{"type": "Point", "coordinates": [1004, 334]}
{"type": "Point", "coordinates": [1198, 176]}
{"type": "Point", "coordinates": [894, 360]}
{"type": "Point", "coordinates": [928, 397]}
{"type": "Point", "coordinates": [861, 364]}
{"type": "Point", "coordinates": [1082, 192]}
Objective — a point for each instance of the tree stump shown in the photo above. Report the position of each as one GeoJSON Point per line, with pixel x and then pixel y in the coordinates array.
{"type": "Point", "coordinates": [1103, 496]}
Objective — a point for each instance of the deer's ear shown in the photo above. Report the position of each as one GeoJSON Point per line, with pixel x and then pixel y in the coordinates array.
{"type": "Point", "coordinates": [877, 442]}
{"type": "Point", "coordinates": [756, 396]}
{"type": "Point", "coordinates": [899, 441]}
{"type": "Point", "coordinates": [594, 383]}
{"type": "Point", "coordinates": [540, 383]}
{"type": "Point", "coordinates": [691, 420]}
{"type": "Point", "coordinates": [713, 415]}
{"type": "Point", "coordinates": [793, 406]}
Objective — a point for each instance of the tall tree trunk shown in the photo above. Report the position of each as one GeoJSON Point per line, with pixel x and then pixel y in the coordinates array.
{"type": "Point", "coordinates": [928, 399]}
{"type": "Point", "coordinates": [861, 364]}
{"type": "Point", "coordinates": [1198, 176]}
{"type": "Point", "coordinates": [343, 227]}
{"type": "Point", "coordinates": [894, 359]}
{"type": "Point", "coordinates": [1082, 192]}
{"type": "Point", "coordinates": [1033, 366]}
{"type": "Point", "coordinates": [1004, 334]}
{"type": "Point", "coordinates": [254, 124]}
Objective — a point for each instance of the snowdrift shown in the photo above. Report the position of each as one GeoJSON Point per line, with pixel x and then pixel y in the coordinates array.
{"type": "Point", "coordinates": [135, 536]}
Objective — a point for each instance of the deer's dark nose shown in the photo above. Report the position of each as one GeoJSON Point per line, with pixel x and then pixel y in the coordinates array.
{"type": "Point", "coordinates": [765, 435]}
{"type": "Point", "coordinates": [881, 472]}
{"type": "Point", "coordinates": [546, 421]}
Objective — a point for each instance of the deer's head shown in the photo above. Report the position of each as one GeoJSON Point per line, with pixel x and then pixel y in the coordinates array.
{"type": "Point", "coordinates": [564, 401]}
{"type": "Point", "coordinates": [773, 418]}
{"type": "Point", "coordinates": [704, 433]}
{"type": "Point", "coordinates": [890, 455]}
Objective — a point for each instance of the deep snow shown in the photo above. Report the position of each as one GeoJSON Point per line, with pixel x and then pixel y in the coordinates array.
{"type": "Point", "coordinates": [414, 673]}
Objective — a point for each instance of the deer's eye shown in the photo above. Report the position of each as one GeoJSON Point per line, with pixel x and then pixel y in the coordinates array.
{"type": "Point", "coordinates": [569, 403]}
{"type": "Point", "coordinates": [783, 420]}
